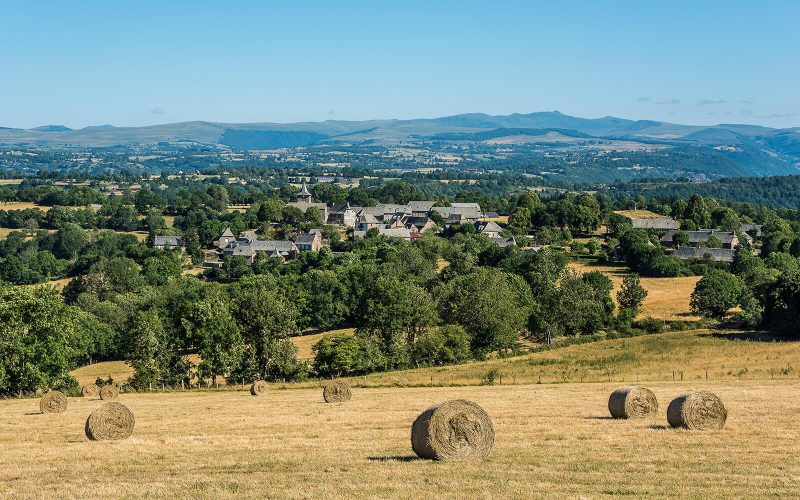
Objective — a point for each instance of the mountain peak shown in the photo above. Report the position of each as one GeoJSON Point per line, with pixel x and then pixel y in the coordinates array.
{"type": "Point", "coordinates": [52, 128]}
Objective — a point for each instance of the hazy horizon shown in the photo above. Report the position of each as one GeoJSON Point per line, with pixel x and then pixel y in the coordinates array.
{"type": "Point", "coordinates": [145, 64]}
{"type": "Point", "coordinates": [156, 124]}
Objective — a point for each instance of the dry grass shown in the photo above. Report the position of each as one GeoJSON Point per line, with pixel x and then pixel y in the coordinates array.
{"type": "Point", "coordinates": [639, 214]}
{"type": "Point", "coordinates": [667, 298]}
{"type": "Point", "coordinates": [246, 447]}
{"type": "Point", "coordinates": [10, 182]}
{"type": "Point", "coordinates": [22, 205]}
{"type": "Point", "coordinates": [4, 232]}
{"type": "Point", "coordinates": [693, 355]}
{"type": "Point", "coordinates": [306, 342]}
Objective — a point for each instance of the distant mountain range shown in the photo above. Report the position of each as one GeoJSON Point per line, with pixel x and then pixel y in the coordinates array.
{"type": "Point", "coordinates": [780, 147]}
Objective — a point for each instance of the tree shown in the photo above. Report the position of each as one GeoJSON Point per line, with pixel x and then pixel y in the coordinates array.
{"type": "Point", "coordinates": [69, 242]}
{"type": "Point", "coordinates": [782, 306]}
{"type": "Point", "coordinates": [120, 217]}
{"type": "Point", "coordinates": [158, 270]}
{"type": "Point", "coordinates": [715, 294]}
{"type": "Point", "coordinates": [267, 320]}
{"type": "Point", "coordinates": [631, 296]}
{"type": "Point", "coordinates": [444, 345]}
{"type": "Point", "coordinates": [520, 219]}
{"type": "Point", "coordinates": [154, 222]}
{"type": "Point", "coordinates": [680, 239]}
{"type": "Point", "coordinates": [144, 349]}
{"type": "Point", "coordinates": [581, 305]}
{"type": "Point", "coordinates": [111, 275]}
{"type": "Point", "coordinates": [697, 211]}
{"type": "Point", "coordinates": [396, 313]}
{"type": "Point", "coordinates": [713, 242]}
{"type": "Point", "coordinates": [493, 307]}
{"type": "Point", "coordinates": [218, 197]}
{"type": "Point", "coordinates": [269, 210]}
{"type": "Point", "coordinates": [327, 299]}
{"type": "Point", "coordinates": [210, 326]}
{"type": "Point", "coordinates": [145, 201]}
{"type": "Point", "coordinates": [41, 339]}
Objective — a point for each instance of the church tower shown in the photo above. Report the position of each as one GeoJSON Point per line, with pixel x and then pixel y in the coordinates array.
{"type": "Point", "coordinates": [304, 196]}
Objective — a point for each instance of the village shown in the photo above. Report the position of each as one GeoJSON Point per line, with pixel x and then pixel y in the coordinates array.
{"type": "Point", "coordinates": [412, 220]}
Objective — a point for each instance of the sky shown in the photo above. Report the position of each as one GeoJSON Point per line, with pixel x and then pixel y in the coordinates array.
{"type": "Point", "coordinates": [133, 63]}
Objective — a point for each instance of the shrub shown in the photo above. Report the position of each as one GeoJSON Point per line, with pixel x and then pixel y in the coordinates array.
{"type": "Point", "coordinates": [442, 346]}
{"type": "Point", "coordinates": [491, 376]}
{"type": "Point", "coordinates": [651, 325]}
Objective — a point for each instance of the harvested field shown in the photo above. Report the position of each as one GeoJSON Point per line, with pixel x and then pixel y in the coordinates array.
{"type": "Point", "coordinates": [667, 298]}
{"type": "Point", "coordinates": [247, 447]}
{"type": "Point", "coordinates": [305, 343]}
{"type": "Point", "coordinates": [639, 214]}
{"type": "Point", "coordinates": [22, 205]}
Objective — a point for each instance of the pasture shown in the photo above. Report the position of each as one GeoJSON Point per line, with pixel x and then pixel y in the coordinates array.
{"type": "Point", "coordinates": [552, 441]}
{"type": "Point", "coordinates": [697, 355]}
{"type": "Point", "coordinates": [667, 298]}
{"type": "Point", "coordinates": [22, 205]}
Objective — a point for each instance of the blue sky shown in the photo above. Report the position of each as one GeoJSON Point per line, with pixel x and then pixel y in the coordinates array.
{"type": "Point", "coordinates": [83, 63]}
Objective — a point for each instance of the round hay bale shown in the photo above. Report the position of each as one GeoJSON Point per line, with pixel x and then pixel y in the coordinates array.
{"type": "Point", "coordinates": [632, 402]}
{"type": "Point", "coordinates": [111, 421]}
{"type": "Point", "coordinates": [109, 391]}
{"type": "Point", "coordinates": [90, 391]}
{"type": "Point", "coordinates": [259, 387]}
{"type": "Point", "coordinates": [453, 430]}
{"type": "Point", "coordinates": [700, 410]}
{"type": "Point", "coordinates": [337, 392]}
{"type": "Point", "coordinates": [53, 402]}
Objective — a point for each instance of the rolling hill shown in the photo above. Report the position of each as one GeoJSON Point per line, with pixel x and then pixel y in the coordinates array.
{"type": "Point", "coordinates": [757, 150]}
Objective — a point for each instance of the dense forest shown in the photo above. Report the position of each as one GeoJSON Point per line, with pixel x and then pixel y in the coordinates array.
{"type": "Point", "coordinates": [779, 192]}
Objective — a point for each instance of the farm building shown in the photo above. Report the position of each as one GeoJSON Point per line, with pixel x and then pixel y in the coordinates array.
{"type": "Point", "coordinates": [168, 242]}
{"type": "Point", "coordinates": [644, 219]}
{"type": "Point", "coordinates": [248, 249]}
{"type": "Point", "coordinates": [728, 239]}
{"type": "Point", "coordinates": [715, 254]}
{"type": "Point", "coordinates": [490, 229]}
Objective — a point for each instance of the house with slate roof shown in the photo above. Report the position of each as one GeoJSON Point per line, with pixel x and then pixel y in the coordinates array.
{"type": "Point", "coordinates": [310, 241]}
{"type": "Point", "coordinates": [168, 242]}
{"type": "Point", "coordinates": [701, 238]}
{"type": "Point", "coordinates": [715, 254]}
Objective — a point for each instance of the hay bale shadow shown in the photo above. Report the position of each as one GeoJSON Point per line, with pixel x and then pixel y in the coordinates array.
{"type": "Point", "coordinates": [395, 458]}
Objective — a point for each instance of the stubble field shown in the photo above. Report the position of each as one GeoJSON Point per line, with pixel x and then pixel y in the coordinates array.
{"type": "Point", "coordinates": [553, 441]}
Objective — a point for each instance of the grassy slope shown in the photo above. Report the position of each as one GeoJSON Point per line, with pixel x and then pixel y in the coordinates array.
{"type": "Point", "coordinates": [725, 356]}
{"type": "Point", "coordinates": [667, 299]}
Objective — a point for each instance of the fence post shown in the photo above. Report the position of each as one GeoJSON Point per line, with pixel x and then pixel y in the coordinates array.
{"type": "Point", "coordinates": [681, 375]}
{"type": "Point", "coordinates": [673, 375]}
